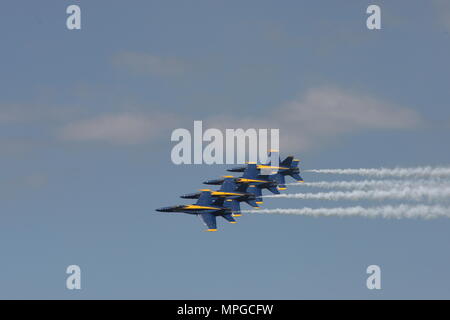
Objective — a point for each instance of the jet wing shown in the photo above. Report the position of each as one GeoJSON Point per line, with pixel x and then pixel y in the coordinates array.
{"type": "Point", "coordinates": [281, 181]}
{"type": "Point", "coordinates": [209, 220]}
{"type": "Point", "coordinates": [229, 218]}
{"type": "Point", "coordinates": [234, 206]}
{"type": "Point", "coordinates": [251, 202]}
{"type": "Point", "coordinates": [273, 190]}
{"type": "Point", "coordinates": [297, 177]}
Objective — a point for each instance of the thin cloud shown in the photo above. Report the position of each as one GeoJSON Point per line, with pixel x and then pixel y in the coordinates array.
{"type": "Point", "coordinates": [315, 118]}
{"type": "Point", "coordinates": [324, 114]}
{"type": "Point", "coordinates": [120, 128]}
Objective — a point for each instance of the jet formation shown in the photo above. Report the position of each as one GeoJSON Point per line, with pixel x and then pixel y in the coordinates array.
{"type": "Point", "coordinates": [226, 202]}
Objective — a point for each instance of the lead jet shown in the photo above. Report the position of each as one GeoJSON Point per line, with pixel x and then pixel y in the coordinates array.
{"type": "Point", "coordinates": [207, 208]}
{"type": "Point", "coordinates": [233, 193]}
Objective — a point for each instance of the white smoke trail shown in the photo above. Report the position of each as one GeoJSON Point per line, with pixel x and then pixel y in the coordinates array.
{"type": "Point", "coordinates": [395, 172]}
{"type": "Point", "coordinates": [371, 184]}
{"type": "Point", "coordinates": [396, 212]}
{"type": "Point", "coordinates": [418, 193]}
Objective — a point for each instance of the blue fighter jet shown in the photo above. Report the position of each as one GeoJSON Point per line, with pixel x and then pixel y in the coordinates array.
{"type": "Point", "coordinates": [233, 193]}
{"type": "Point", "coordinates": [287, 167]}
{"type": "Point", "coordinates": [252, 176]}
{"type": "Point", "coordinates": [206, 208]}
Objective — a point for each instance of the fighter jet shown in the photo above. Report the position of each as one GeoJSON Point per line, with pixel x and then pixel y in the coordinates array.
{"type": "Point", "coordinates": [233, 193]}
{"type": "Point", "coordinates": [287, 167]}
{"type": "Point", "coordinates": [206, 208]}
{"type": "Point", "coordinates": [269, 167]}
{"type": "Point", "coordinates": [252, 176]}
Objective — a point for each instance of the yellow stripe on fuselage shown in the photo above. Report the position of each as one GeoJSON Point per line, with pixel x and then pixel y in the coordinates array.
{"type": "Point", "coordinates": [271, 167]}
{"type": "Point", "coordinates": [221, 193]}
{"type": "Point", "coordinates": [194, 207]}
{"type": "Point", "coordinates": [250, 180]}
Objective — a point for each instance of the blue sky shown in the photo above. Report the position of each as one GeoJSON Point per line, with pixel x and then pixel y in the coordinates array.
{"type": "Point", "coordinates": [86, 117]}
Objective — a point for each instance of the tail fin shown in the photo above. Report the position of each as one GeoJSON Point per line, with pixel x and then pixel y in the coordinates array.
{"type": "Point", "coordinates": [242, 187]}
{"type": "Point", "coordinates": [295, 163]}
{"type": "Point", "coordinates": [234, 206]}
{"type": "Point", "coordinates": [295, 170]}
{"type": "Point", "coordinates": [205, 198]}
{"type": "Point", "coordinates": [287, 162]}
{"type": "Point", "coordinates": [257, 192]}
{"type": "Point", "coordinates": [228, 185]}
{"type": "Point", "coordinates": [251, 172]}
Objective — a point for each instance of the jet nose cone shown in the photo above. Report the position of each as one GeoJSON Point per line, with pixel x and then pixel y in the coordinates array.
{"type": "Point", "coordinates": [213, 182]}
{"type": "Point", "coordinates": [190, 195]}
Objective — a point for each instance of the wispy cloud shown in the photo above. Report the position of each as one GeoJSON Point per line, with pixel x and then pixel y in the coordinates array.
{"type": "Point", "coordinates": [326, 113]}
{"type": "Point", "coordinates": [317, 116]}
{"type": "Point", "coordinates": [145, 63]}
{"type": "Point", "coordinates": [118, 128]}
